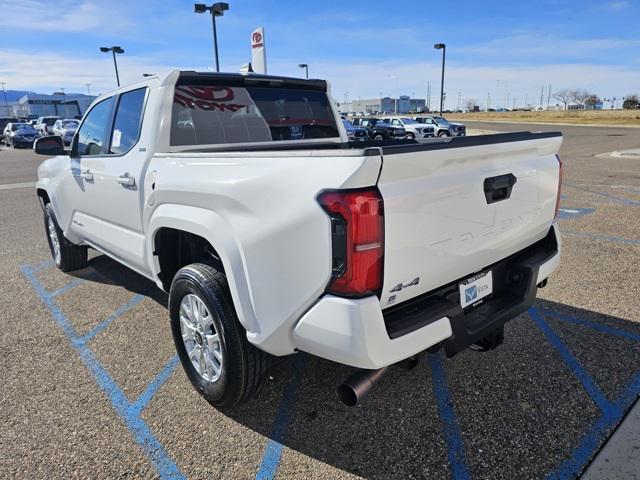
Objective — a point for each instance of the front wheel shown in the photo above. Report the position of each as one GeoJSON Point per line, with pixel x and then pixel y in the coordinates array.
{"type": "Point", "coordinates": [211, 343]}
{"type": "Point", "coordinates": [66, 255]}
{"type": "Point", "coordinates": [378, 137]}
{"type": "Point", "coordinates": [443, 134]}
{"type": "Point", "coordinates": [410, 136]}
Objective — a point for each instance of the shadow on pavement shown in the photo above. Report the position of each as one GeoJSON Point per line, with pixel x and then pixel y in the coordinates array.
{"type": "Point", "coordinates": [520, 411]}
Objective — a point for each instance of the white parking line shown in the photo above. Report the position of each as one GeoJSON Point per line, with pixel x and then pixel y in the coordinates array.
{"type": "Point", "coordinates": [9, 186]}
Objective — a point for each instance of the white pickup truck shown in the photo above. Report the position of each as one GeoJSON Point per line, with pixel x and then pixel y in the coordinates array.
{"type": "Point", "coordinates": [241, 197]}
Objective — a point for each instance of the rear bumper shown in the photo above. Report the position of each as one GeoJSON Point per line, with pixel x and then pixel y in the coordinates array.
{"type": "Point", "coordinates": [358, 333]}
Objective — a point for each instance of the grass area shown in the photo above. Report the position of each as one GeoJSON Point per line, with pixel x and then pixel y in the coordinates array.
{"type": "Point", "coordinates": [605, 117]}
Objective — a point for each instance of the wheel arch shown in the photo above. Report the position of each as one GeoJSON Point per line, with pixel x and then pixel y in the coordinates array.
{"type": "Point", "coordinates": [43, 196]}
{"type": "Point", "coordinates": [169, 220]}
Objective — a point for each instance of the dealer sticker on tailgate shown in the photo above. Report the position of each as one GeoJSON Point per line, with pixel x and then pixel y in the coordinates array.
{"type": "Point", "coordinates": [474, 288]}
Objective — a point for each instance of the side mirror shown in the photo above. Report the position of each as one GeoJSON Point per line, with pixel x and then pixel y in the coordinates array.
{"type": "Point", "coordinates": [51, 145]}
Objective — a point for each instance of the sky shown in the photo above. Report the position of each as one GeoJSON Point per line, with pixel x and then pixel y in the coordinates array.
{"type": "Point", "coordinates": [364, 48]}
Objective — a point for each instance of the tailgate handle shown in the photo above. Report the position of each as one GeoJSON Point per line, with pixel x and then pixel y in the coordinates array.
{"type": "Point", "coordinates": [499, 188]}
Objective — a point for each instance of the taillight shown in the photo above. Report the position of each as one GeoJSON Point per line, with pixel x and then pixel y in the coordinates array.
{"type": "Point", "coordinates": [559, 185]}
{"type": "Point", "coordinates": [357, 233]}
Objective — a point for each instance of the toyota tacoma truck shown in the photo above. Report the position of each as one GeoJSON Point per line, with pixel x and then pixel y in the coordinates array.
{"type": "Point", "coordinates": [241, 197]}
{"type": "Point", "coordinates": [444, 128]}
{"type": "Point", "coordinates": [413, 128]}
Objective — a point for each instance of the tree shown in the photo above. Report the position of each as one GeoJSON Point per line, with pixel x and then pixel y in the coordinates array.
{"type": "Point", "coordinates": [470, 104]}
{"type": "Point", "coordinates": [631, 102]}
{"type": "Point", "coordinates": [564, 96]}
{"type": "Point", "coordinates": [591, 100]}
{"type": "Point", "coordinates": [580, 96]}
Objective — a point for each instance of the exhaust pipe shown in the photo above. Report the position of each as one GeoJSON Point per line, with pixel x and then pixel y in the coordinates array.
{"type": "Point", "coordinates": [354, 388]}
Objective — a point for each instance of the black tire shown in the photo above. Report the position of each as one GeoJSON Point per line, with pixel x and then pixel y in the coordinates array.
{"type": "Point", "coordinates": [444, 133]}
{"type": "Point", "coordinates": [410, 136]}
{"type": "Point", "coordinates": [72, 257]}
{"type": "Point", "coordinates": [244, 367]}
{"type": "Point", "coordinates": [378, 136]}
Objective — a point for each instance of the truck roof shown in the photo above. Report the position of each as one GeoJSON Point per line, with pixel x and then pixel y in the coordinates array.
{"type": "Point", "coordinates": [191, 77]}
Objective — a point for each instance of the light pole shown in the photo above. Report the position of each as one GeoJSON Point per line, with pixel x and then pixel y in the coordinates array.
{"type": "Point", "coordinates": [396, 99]}
{"type": "Point", "coordinates": [443, 47]}
{"type": "Point", "coordinates": [4, 92]}
{"type": "Point", "coordinates": [217, 10]}
{"type": "Point", "coordinates": [88, 85]}
{"type": "Point", "coordinates": [114, 50]}
{"type": "Point", "coordinates": [306, 69]}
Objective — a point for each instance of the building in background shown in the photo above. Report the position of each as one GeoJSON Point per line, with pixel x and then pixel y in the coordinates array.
{"type": "Point", "coordinates": [34, 105]}
{"type": "Point", "coordinates": [405, 103]}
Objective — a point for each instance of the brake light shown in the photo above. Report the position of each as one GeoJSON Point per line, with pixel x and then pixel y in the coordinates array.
{"type": "Point", "coordinates": [357, 232]}
{"type": "Point", "coordinates": [559, 185]}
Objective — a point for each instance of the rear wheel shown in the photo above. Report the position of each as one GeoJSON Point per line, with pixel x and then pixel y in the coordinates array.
{"type": "Point", "coordinates": [66, 255]}
{"type": "Point", "coordinates": [211, 343]}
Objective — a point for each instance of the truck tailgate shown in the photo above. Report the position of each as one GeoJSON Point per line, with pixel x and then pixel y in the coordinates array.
{"type": "Point", "coordinates": [445, 212]}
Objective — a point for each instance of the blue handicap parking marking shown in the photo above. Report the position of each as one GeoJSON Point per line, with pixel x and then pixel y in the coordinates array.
{"type": "Point", "coordinates": [612, 411]}
{"type": "Point", "coordinates": [129, 412]}
{"type": "Point", "coordinates": [571, 213]}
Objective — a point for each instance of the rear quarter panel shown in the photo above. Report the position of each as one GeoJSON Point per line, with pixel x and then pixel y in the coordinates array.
{"type": "Point", "coordinates": [268, 215]}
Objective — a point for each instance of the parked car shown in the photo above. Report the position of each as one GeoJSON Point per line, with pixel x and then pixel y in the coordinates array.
{"type": "Point", "coordinates": [18, 134]}
{"type": "Point", "coordinates": [273, 239]}
{"type": "Point", "coordinates": [444, 128]}
{"type": "Point", "coordinates": [45, 125]}
{"type": "Point", "coordinates": [379, 130]}
{"type": "Point", "coordinates": [66, 128]}
{"type": "Point", "coordinates": [355, 134]}
{"type": "Point", "coordinates": [3, 124]}
{"type": "Point", "coordinates": [413, 128]}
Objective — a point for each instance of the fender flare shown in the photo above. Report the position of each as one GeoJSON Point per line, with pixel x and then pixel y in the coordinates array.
{"type": "Point", "coordinates": [213, 228]}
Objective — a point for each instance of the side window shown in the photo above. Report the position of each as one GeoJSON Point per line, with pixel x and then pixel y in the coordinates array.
{"type": "Point", "coordinates": [91, 135]}
{"type": "Point", "coordinates": [395, 121]}
{"type": "Point", "coordinates": [128, 120]}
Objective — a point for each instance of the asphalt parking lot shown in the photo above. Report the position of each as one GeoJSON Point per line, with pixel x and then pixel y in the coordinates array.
{"type": "Point", "coordinates": [91, 387]}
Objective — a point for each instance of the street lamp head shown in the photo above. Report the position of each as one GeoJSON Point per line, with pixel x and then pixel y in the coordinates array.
{"type": "Point", "coordinates": [118, 49]}
{"type": "Point", "coordinates": [199, 8]}
{"type": "Point", "coordinates": [302, 65]}
{"type": "Point", "coordinates": [105, 49]}
{"type": "Point", "coordinates": [439, 46]}
{"type": "Point", "coordinates": [219, 8]}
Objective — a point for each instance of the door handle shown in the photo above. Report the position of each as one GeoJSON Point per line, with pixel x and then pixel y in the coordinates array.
{"type": "Point", "coordinates": [126, 180]}
{"type": "Point", "coordinates": [499, 188]}
{"type": "Point", "coordinates": [85, 175]}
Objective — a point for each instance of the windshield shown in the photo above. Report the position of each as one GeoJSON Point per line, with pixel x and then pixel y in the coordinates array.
{"type": "Point", "coordinates": [70, 124]}
{"type": "Point", "coordinates": [18, 126]}
{"type": "Point", "coordinates": [409, 121]}
{"type": "Point", "coordinates": [347, 124]}
{"type": "Point", "coordinates": [207, 115]}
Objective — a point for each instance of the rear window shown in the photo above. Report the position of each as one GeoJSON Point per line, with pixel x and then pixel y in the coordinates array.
{"type": "Point", "coordinates": [206, 115]}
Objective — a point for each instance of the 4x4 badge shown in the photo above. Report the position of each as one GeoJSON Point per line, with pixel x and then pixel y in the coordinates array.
{"type": "Point", "coordinates": [400, 286]}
